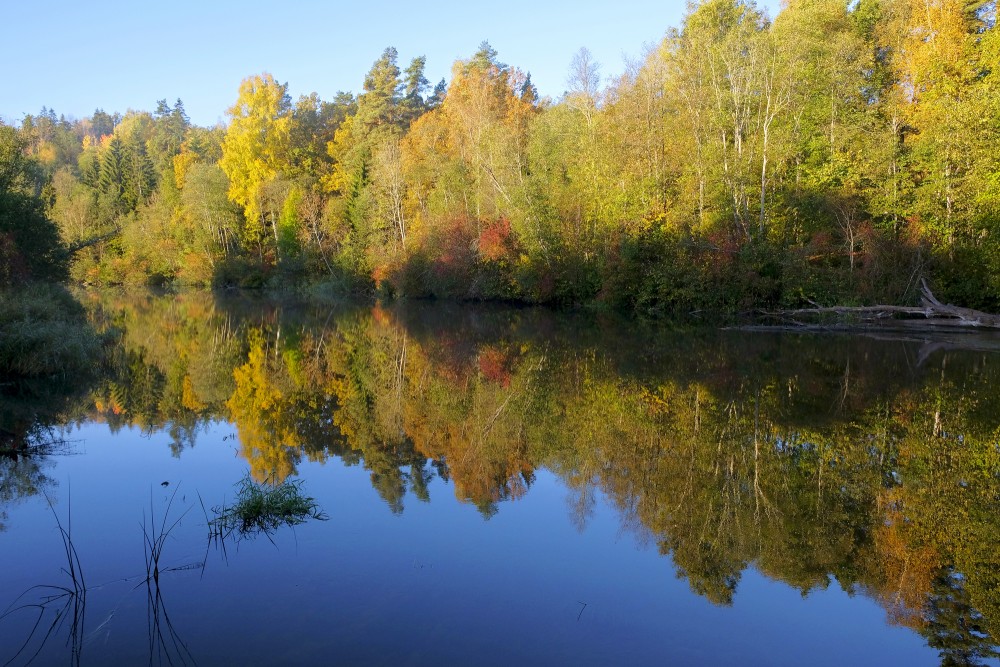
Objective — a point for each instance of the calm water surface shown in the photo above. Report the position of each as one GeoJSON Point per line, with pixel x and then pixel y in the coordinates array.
{"type": "Point", "coordinates": [501, 487]}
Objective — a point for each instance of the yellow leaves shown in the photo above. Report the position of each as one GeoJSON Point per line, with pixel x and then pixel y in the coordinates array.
{"type": "Point", "coordinates": [343, 139]}
{"type": "Point", "coordinates": [254, 392]}
{"type": "Point", "coordinates": [429, 135]}
{"type": "Point", "coordinates": [182, 163]}
{"type": "Point", "coordinates": [658, 403]}
{"type": "Point", "coordinates": [338, 180]}
{"type": "Point", "coordinates": [255, 149]}
{"type": "Point", "coordinates": [426, 150]}
{"type": "Point", "coordinates": [930, 39]}
{"type": "Point", "coordinates": [189, 399]}
{"type": "Point", "coordinates": [293, 365]}
{"type": "Point", "coordinates": [46, 153]}
{"type": "Point", "coordinates": [256, 408]}
{"type": "Point", "coordinates": [941, 26]}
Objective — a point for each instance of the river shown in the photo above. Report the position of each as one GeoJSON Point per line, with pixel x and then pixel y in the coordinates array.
{"type": "Point", "coordinates": [496, 486]}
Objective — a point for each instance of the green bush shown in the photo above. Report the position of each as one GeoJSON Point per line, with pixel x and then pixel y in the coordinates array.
{"type": "Point", "coordinates": [43, 332]}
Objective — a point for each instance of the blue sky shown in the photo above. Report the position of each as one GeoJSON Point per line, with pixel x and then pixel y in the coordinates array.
{"type": "Point", "coordinates": [77, 56]}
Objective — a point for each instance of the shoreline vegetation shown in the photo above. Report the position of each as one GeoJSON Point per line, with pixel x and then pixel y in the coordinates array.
{"type": "Point", "coordinates": [838, 156]}
{"type": "Point", "coordinates": [44, 333]}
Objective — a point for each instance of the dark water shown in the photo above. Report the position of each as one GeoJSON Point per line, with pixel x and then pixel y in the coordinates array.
{"type": "Point", "coordinates": [501, 487]}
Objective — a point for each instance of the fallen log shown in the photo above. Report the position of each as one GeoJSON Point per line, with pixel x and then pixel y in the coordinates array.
{"type": "Point", "coordinates": [931, 313]}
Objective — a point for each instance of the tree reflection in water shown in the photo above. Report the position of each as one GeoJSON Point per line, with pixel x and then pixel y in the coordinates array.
{"type": "Point", "coordinates": [867, 462]}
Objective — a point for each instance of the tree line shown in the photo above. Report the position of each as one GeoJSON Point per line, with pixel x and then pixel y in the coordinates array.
{"type": "Point", "coordinates": [836, 154]}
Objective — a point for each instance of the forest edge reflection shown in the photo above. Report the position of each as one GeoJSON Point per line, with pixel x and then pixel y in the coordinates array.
{"type": "Point", "coordinates": [809, 458]}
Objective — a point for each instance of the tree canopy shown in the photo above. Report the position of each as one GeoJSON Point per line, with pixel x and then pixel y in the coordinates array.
{"type": "Point", "coordinates": [30, 247]}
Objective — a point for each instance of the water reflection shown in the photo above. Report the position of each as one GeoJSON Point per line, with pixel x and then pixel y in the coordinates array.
{"type": "Point", "coordinates": [32, 413]}
{"type": "Point", "coordinates": [55, 608]}
{"type": "Point", "coordinates": [871, 464]}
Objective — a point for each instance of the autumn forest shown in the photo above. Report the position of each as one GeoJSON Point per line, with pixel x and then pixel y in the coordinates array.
{"type": "Point", "coordinates": [837, 154]}
{"type": "Point", "coordinates": [794, 495]}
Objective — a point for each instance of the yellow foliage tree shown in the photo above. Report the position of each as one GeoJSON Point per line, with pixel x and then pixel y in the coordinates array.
{"type": "Point", "coordinates": [255, 150]}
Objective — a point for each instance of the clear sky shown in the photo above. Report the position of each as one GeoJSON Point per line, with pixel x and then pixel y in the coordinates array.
{"type": "Point", "coordinates": [77, 56]}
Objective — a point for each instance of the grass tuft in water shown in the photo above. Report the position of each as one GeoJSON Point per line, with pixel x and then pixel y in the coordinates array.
{"type": "Point", "coordinates": [164, 641]}
{"type": "Point", "coordinates": [263, 507]}
{"type": "Point", "coordinates": [155, 537]}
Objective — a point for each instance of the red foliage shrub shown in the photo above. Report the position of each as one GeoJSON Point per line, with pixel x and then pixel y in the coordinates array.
{"type": "Point", "coordinates": [497, 241]}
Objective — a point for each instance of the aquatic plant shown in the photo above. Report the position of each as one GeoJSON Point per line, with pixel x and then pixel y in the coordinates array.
{"type": "Point", "coordinates": [262, 508]}
{"type": "Point", "coordinates": [67, 602]}
{"type": "Point", "coordinates": [164, 641]}
{"type": "Point", "coordinates": [154, 538]}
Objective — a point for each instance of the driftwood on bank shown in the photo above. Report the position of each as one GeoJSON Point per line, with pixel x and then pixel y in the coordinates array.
{"type": "Point", "coordinates": [930, 314]}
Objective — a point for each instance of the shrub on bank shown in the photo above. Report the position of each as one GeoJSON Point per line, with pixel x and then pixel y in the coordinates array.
{"type": "Point", "coordinates": [43, 331]}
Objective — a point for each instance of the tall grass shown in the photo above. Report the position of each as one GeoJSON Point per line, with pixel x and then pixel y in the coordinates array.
{"type": "Point", "coordinates": [43, 332]}
{"type": "Point", "coordinates": [67, 601]}
{"type": "Point", "coordinates": [155, 536]}
{"type": "Point", "coordinates": [164, 641]}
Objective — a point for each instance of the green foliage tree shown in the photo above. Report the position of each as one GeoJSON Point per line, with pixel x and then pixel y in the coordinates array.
{"type": "Point", "coordinates": [366, 180]}
{"type": "Point", "coordinates": [30, 248]}
{"type": "Point", "coordinates": [169, 129]}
